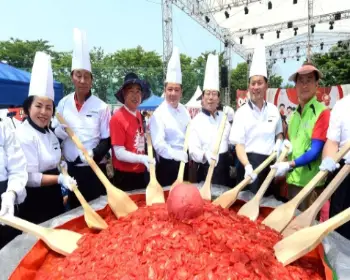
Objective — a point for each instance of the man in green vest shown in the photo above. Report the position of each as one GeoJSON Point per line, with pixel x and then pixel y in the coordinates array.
{"type": "Point", "coordinates": [307, 133]}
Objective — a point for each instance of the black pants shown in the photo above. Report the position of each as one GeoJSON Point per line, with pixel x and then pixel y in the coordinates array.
{"type": "Point", "coordinates": [255, 160]}
{"type": "Point", "coordinates": [42, 203]}
{"type": "Point", "coordinates": [221, 175]}
{"type": "Point", "coordinates": [167, 171]}
{"type": "Point", "coordinates": [340, 200]}
{"type": "Point", "coordinates": [129, 181]}
{"type": "Point", "coordinates": [88, 183]}
{"type": "Point", "coordinates": [7, 233]}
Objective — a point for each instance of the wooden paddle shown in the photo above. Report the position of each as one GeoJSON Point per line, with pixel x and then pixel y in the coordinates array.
{"type": "Point", "coordinates": [92, 219]}
{"type": "Point", "coordinates": [61, 241]}
{"type": "Point", "coordinates": [306, 218]}
{"type": "Point", "coordinates": [119, 201]}
{"type": "Point", "coordinates": [154, 191]}
{"type": "Point", "coordinates": [303, 241]}
{"type": "Point", "coordinates": [180, 175]}
{"type": "Point", "coordinates": [252, 207]}
{"type": "Point", "coordinates": [229, 197]}
{"type": "Point", "coordinates": [283, 214]}
{"type": "Point", "coordinates": [205, 191]}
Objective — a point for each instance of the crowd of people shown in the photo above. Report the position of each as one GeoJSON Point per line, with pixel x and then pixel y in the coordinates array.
{"type": "Point", "coordinates": [34, 155]}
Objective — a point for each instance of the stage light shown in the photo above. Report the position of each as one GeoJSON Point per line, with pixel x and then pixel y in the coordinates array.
{"type": "Point", "coordinates": [270, 51]}
{"type": "Point", "coordinates": [322, 44]}
{"type": "Point", "coordinates": [262, 36]}
{"type": "Point", "coordinates": [246, 10]}
{"type": "Point", "coordinates": [313, 28]}
{"type": "Point", "coordinates": [207, 19]}
{"type": "Point", "coordinates": [284, 60]}
{"type": "Point", "coordinates": [331, 25]}
{"type": "Point", "coordinates": [295, 2]}
{"type": "Point", "coordinates": [296, 31]}
{"type": "Point", "coordinates": [227, 15]}
{"type": "Point", "coordinates": [278, 32]}
{"type": "Point", "coordinates": [269, 5]}
{"type": "Point", "coordinates": [241, 40]}
{"type": "Point", "coordinates": [281, 50]}
{"type": "Point", "coordinates": [298, 48]}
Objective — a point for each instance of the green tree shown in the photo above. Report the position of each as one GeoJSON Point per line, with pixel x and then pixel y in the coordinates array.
{"type": "Point", "coordinates": [20, 54]}
{"type": "Point", "coordinates": [288, 85]}
{"type": "Point", "coordinates": [275, 81]}
{"type": "Point", "coordinates": [335, 65]}
{"type": "Point", "coordinates": [239, 78]}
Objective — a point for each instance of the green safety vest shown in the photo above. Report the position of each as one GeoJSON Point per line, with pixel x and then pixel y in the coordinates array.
{"type": "Point", "coordinates": [300, 131]}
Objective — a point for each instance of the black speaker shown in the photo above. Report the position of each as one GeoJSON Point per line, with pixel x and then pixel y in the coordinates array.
{"type": "Point", "coordinates": [224, 77]}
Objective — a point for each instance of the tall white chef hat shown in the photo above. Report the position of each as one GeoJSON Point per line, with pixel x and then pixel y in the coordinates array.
{"type": "Point", "coordinates": [81, 55]}
{"type": "Point", "coordinates": [211, 77]}
{"type": "Point", "coordinates": [258, 67]}
{"type": "Point", "coordinates": [41, 80]}
{"type": "Point", "coordinates": [174, 74]}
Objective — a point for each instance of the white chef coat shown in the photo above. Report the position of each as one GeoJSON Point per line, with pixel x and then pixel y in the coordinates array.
{"type": "Point", "coordinates": [256, 129]}
{"type": "Point", "coordinates": [42, 151]}
{"type": "Point", "coordinates": [168, 128]}
{"type": "Point", "coordinates": [339, 123]}
{"type": "Point", "coordinates": [90, 124]}
{"type": "Point", "coordinates": [13, 164]}
{"type": "Point", "coordinates": [203, 134]}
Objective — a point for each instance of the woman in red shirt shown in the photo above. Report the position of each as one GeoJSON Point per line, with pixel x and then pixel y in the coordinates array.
{"type": "Point", "coordinates": [127, 136]}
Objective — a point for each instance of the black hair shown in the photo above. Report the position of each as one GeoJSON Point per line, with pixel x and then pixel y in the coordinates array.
{"type": "Point", "coordinates": [166, 83]}
{"type": "Point", "coordinates": [71, 74]}
{"type": "Point", "coordinates": [29, 101]}
{"type": "Point", "coordinates": [289, 107]}
{"type": "Point", "coordinates": [282, 105]}
{"type": "Point", "coordinates": [266, 81]}
{"type": "Point", "coordinates": [203, 94]}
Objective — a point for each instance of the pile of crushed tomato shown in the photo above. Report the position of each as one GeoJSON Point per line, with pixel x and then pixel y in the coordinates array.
{"type": "Point", "coordinates": [147, 244]}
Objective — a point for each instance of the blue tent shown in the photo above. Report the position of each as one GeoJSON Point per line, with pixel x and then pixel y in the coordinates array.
{"type": "Point", "coordinates": [151, 103]}
{"type": "Point", "coordinates": [14, 86]}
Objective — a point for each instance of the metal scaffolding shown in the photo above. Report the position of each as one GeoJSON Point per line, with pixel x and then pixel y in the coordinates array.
{"type": "Point", "coordinates": [167, 19]}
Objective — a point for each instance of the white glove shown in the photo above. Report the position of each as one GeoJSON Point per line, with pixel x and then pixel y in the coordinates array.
{"type": "Point", "coordinates": [287, 144]}
{"type": "Point", "coordinates": [144, 159]}
{"type": "Point", "coordinates": [179, 155]}
{"type": "Point", "coordinates": [282, 168]}
{"type": "Point", "coordinates": [278, 147]}
{"type": "Point", "coordinates": [209, 156]}
{"type": "Point", "coordinates": [66, 181]}
{"type": "Point", "coordinates": [8, 203]}
{"type": "Point", "coordinates": [328, 164]}
{"type": "Point", "coordinates": [82, 157]}
{"type": "Point", "coordinates": [61, 132]}
{"type": "Point", "coordinates": [347, 158]}
{"type": "Point", "coordinates": [249, 172]}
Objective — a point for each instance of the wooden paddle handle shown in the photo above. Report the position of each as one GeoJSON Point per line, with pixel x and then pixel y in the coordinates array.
{"type": "Point", "coordinates": [24, 226]}
{"type": "Point", "coordinates": [305, 191]}
{"type": "Point", "coordinates": [336, 221]}
{"type": "Point", "coordinates": [90, 161]}
{"type": "Point", "coordinates": [152, 168]}
{"type": "Point", "coordinates": [312, 211]}
{"type": "Point", "coordinates": [180, 175]}
{"type": "Point", "coordinates": [75, 189]}
{"type": "Point", "coordinates": [271, 175]}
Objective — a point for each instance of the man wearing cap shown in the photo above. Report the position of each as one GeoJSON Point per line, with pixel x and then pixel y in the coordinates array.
{"type": "Point", "coordinates": [205, 126]}
{"type": "Point", "coordinates": [168, 126]}
{"type": "Point", "coordinates": [88, 116]}
{"type": "Point", "coordinates": [127, 136]}
{"type": "Point", "coordinates": [338, 135]}
{"type": "Point", "coordinates": [257, 126]}
{"type": "Point", "coordinates": [307, 133]}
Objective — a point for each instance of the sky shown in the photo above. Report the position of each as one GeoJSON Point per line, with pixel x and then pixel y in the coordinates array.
{"type": "Point", "coordinates": [110, 24]}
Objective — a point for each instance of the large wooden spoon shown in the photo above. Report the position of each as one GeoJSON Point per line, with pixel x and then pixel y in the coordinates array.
{"type": "Point", "coordinates": [154, 191]}
{"type": "Point", "coordinates": [119, 201]}
{"type": "Point", "coordinates": [303, 241]}
{"type": "Point", "coordinates": [283, 214]}
{"type": "Point", "coordinates": [251, 209]}
{"type": "Point", "coordinates": [61, 241]}
{"type": "Point", "coordinates": [180, 175]}
{"type": "Point", "coordinates": [306, 218]}
{"type": "Point", "coordinates": [92, 219]}
{"type": "Point", "coordinates": [205, 190]}
{"type": "Point", "coordinates": [229, 197]}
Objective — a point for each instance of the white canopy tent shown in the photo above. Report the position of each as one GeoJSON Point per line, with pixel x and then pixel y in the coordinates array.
{"type": "Point", "coordinates": [193, 102]}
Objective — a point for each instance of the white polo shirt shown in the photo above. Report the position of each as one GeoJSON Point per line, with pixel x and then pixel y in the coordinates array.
{"type": "Point", "coordinates": [168, 128]}
{"type": "Point", "coordinates": [203, 134]}
{"type": "Point", "coordinates": [339, 123]}
{"type": "Point", "coordinates": [256, 129]}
